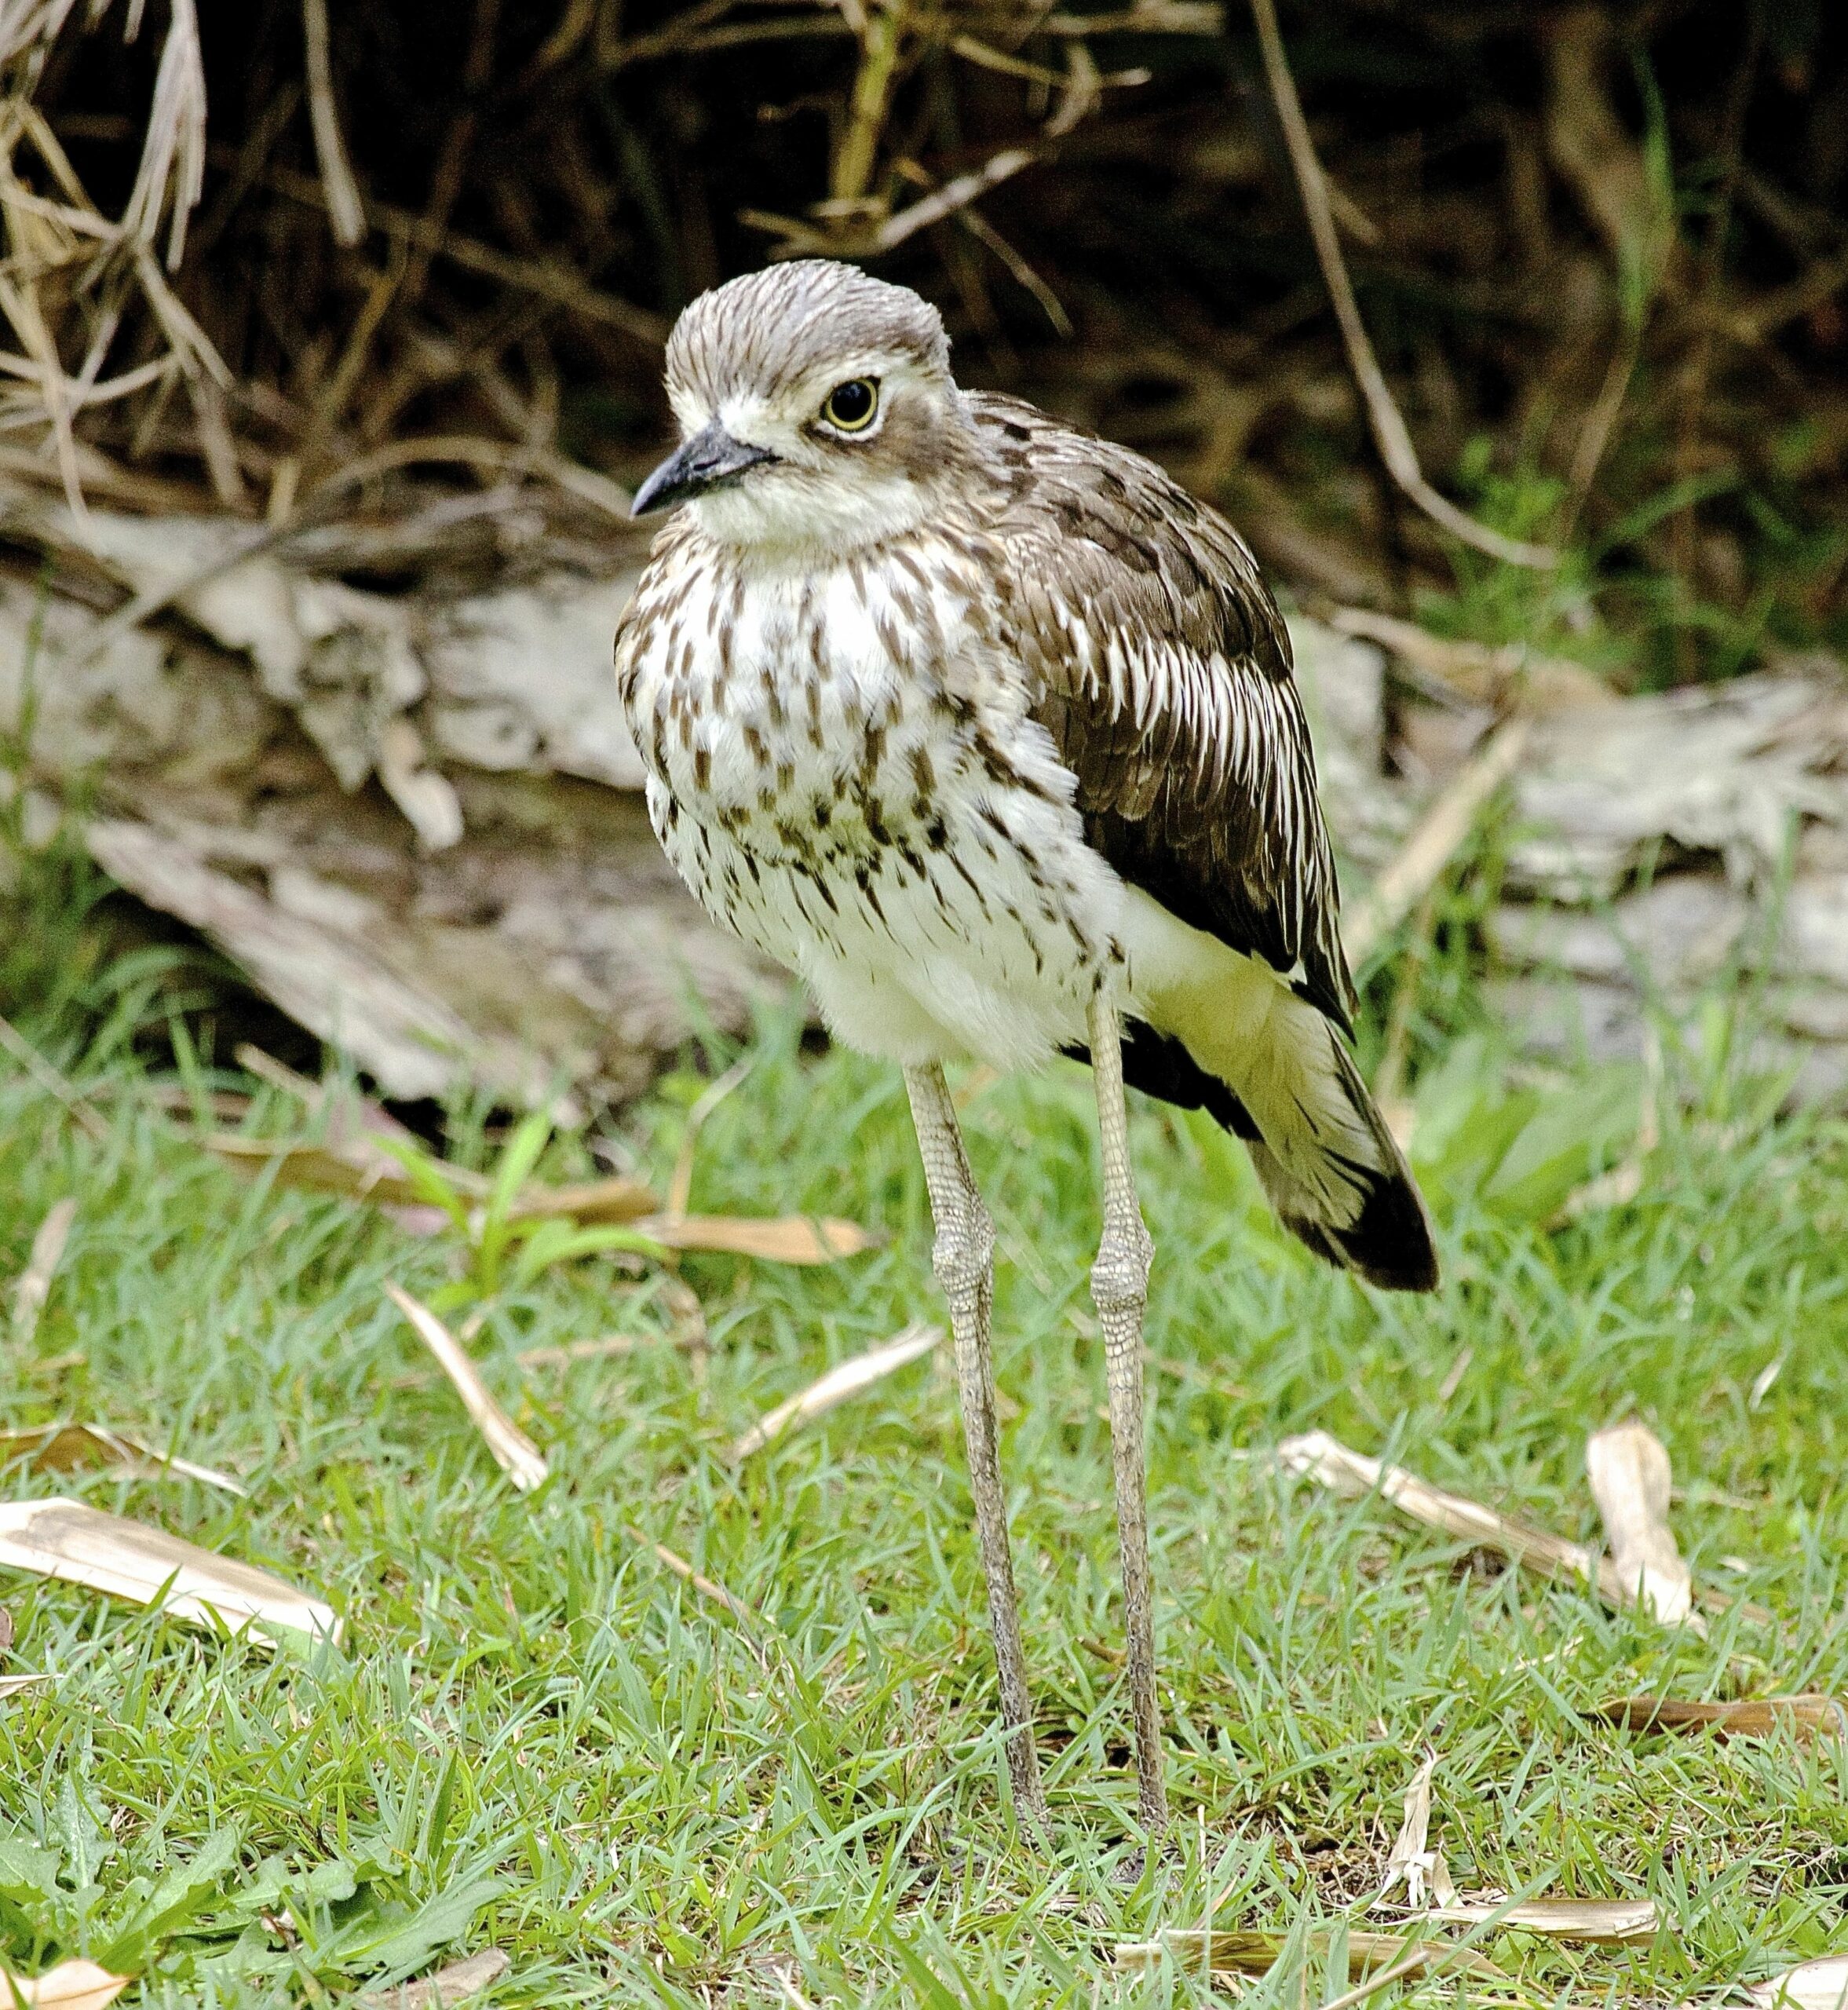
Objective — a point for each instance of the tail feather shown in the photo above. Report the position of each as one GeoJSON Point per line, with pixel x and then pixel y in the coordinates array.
{"type": "Point", "coordinates": [1282, 1079]}
{"type": "Point", "coordinates": [1359, 1209]}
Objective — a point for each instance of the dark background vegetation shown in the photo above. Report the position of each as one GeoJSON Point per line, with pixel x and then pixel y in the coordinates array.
{"type": "Point", "coordinates": [1601, 249]}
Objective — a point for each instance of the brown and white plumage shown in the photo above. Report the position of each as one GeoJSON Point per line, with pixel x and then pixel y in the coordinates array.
{"type": "Point", "coordinates": [1000, 701]}
{"type": "Point", "coordinates": [1162, 671]}
{"type": "Point", "coordinates": [987, 729]}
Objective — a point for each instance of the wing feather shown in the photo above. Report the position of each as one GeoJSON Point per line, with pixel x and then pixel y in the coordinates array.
{"type": "Point", "coordinates": [1161, 667]}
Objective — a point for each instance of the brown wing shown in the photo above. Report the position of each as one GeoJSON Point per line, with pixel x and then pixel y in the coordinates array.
{"type": "Point", "coordinates": [1162, 669]}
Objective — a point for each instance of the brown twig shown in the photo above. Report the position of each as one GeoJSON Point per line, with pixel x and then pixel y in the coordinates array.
{"type": "Point", "coordinates": [1434, 840]}
{"type": "Point", "coordinates": [1684, 526]}
{"type": "Point", "coordinates": [550, 282]}
{"type": "Point", "coordinates": [345, 212]}
{"type": "Point", "coordinates": [747, 1616]}
{"type": "Point", "coordinates": [1389, 430]}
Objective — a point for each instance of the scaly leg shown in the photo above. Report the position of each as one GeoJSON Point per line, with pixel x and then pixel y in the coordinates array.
{"type": "Point", "coordinates": [964, 1260]}
{"type": "Point", "coordinates": [1120, 1290]}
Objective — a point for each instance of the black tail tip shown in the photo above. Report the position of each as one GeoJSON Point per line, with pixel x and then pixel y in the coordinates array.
{"type": "Point", "coordinates": [1389, 1244]}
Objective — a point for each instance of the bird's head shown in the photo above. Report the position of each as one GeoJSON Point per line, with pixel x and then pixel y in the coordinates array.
{"type": "Point", "coordinates": [816, 407]}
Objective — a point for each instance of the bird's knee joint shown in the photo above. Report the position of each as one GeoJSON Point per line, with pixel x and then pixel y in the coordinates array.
{"type": "Point", "coordinates": [963, 1254]}
{"type": "Point", "coordinates": [1120, 1277]}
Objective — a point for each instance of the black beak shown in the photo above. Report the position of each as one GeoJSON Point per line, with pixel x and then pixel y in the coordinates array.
{"type": "Point", "coordinates": [707, 462]}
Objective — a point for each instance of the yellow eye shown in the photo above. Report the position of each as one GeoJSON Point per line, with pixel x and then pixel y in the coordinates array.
{"type": "Point", "coordinates": [849, 407]}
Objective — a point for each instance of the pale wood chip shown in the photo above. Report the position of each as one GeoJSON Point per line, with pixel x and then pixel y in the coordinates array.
{"type": "Point", "coordinates": [456, 1983]}
{"type": "Point", "coordinates": [33, 1287]}
{"type": "Point", "coordinates": [1628, 1468]}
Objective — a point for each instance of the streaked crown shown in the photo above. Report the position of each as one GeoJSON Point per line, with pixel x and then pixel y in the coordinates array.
{"type": "Point", "coordinates": [769, 333]}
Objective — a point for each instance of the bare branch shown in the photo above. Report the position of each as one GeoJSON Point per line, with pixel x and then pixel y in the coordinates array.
{"type": "Point", "coordinates": [1396, 449]}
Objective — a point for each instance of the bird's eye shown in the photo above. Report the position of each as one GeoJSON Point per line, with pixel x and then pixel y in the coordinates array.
{"type": "Point", "coordinates": [849, 407]}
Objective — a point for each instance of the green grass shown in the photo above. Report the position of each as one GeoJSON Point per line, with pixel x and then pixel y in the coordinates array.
{"type": "Point", "coordinates": [536, 1737]}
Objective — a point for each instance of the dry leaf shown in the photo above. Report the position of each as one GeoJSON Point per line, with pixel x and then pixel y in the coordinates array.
{"type": "Point", "coordinates": [846, 1378]}
{"type": "Point", "coordinates": [1607, 1922]}
{"type": "Point", "coordinates": [33, 1287]}
{"type": "Point", "coordinates": [1806, 1716]}
{"type": "Point", "coordinates": [1255, 1953]}
{"type": "Point", "coordinates": [774, 1239]}
{"type": "Point", "coordinates": [1628, 1468]}
{"type": "Point", "coordinates": [680, 1186]}
{"type": "Point", "coordinates": [1544, 684]}
{"type": "Point", "coordinates": [616, 1199]}
{"type": "Point", "coordinates": [349, 1114]}
{"type": "Point", "coordinates": [1439, 834]}
{"type": "Point", "coordinates": [355, 1167]}
{"type": "Point", "coordinates": [71, 1986]}
{"type": "Point", "coordinates": [520, 1458]}
{"type": "Point", "coordinates": [69, 1448]}
{"type": "Point", "coordinates": [1410, 1858]}
{"type": "Point", "coordinates": [452, 1985]}
{"type": "Point", "coordinates": [70, 1539]}
{"type": "Point", "coordinates": [570, 1352]}
{"type": "Point", "coordinates": [354, 1164]}
{"type": "Point", "coordinates": [1818, 1985]}
{"type": "Point", "coordinates": [6, 1634]}
{"type": "Point", "coordinates": [10, 1685]}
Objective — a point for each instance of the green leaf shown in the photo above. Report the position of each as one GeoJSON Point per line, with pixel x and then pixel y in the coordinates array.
{"type": "Point", "coordinates": [402, 1939]}
{"type": "Point", "coordinates": [27, 1872]}
{"type": "Point", "coordinates": [426, 1177]}
{"type": "Point", "coordinates": [519, 1160]}
{"type": "Point", "coordinates": [88, 1845]}
{"type": "Point", "coordinates": [185, 1892]}
{"type": "Point", "coordinates": [1567, 1139]}
{"type": "Point", "coordinates": [440, 1808]}
{"type": "Point", "coordinates": [558, 1240]}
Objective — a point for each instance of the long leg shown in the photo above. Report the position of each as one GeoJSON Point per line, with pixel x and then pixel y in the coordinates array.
{"type": "Point", "coordinates": [1119, 1288]}
{"type": "Point", "coordinates": [964, 1259]}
